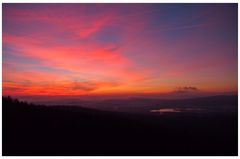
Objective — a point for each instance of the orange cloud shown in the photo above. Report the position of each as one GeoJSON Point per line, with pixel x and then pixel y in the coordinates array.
{"type": "Point", "coordinates": [55, 88]}
{"type": "Point", "coordinates": [94, 48]}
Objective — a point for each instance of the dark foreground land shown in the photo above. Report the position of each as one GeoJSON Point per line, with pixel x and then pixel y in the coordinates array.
{"type": "Point", "coordinates": [41, 130]}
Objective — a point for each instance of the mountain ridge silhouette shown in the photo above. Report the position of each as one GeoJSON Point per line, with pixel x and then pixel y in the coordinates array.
{"type": "Point", "coordinates": [30, 129]}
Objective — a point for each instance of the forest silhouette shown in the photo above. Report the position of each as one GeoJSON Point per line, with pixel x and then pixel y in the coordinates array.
{"type": "Point", "coordinates": [30, 129]}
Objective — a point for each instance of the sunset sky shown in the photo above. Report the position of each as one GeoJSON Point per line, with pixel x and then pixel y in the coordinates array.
{"type": "Point", "coordinates": [79, 49]}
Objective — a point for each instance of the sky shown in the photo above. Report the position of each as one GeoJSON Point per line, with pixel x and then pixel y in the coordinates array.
{"type": "Point", "coordinates": [88, 49]}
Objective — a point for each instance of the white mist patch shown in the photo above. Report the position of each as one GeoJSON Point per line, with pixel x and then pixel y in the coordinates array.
{"type": "Point", "coordinates": [165, 110]}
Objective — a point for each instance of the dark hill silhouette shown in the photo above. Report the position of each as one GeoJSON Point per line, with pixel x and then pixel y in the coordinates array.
{"type": "Point", "coordinates": [30, 129]}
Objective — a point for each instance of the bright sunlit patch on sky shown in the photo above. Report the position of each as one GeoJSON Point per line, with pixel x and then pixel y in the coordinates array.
{"type": "Point", "coordinates": [78, 49]}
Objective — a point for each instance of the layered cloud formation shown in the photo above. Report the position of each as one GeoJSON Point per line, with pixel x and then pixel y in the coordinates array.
{"type": "Point", "coordinates": [78, 49]}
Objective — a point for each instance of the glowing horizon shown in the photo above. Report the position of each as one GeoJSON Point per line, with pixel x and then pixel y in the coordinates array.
{"type": "Point", "coordinates": [87, 49]}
